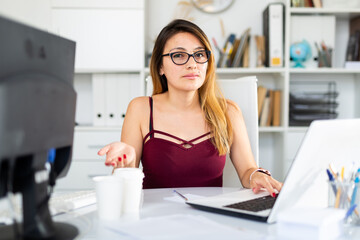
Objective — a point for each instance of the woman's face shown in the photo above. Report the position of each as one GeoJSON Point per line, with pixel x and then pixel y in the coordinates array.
{"type": "Point", "coordinates": [189, 76]}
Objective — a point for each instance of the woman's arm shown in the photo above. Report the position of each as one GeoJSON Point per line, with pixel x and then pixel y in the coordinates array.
{"type": "Point", "coordinates": [127, 153]}
{"type": "Point", "coordinates": [242, 157]}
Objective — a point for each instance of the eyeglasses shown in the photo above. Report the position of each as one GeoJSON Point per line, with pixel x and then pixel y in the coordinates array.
{"type": "Point", "coordinates": [181, 58]}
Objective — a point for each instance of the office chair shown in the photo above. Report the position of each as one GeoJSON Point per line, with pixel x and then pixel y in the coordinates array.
{"type": "Point", "coordinates": [243, 91]}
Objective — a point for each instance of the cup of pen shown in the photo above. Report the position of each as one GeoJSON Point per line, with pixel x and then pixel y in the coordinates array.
{"type": "Point", "coordinates": [325, 58]}
{"type": "Point", "coordinates": [346, 195]}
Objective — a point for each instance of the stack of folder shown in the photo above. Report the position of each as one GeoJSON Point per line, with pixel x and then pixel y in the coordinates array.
{"type": "Point", "coordinates": [306, 106]}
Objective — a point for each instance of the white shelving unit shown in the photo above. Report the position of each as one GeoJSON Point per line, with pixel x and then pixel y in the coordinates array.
{"type": "Point", "coordinates": [278, 145]}
{"type": "Point", "coordinates": [347, 80]}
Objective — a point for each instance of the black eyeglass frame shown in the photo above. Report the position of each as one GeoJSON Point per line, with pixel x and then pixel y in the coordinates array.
{"type": "Point", "coordinates": [207, 52]}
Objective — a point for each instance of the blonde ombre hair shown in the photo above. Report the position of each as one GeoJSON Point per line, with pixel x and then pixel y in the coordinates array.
{"type": "Point", "coordinates": [212, 101]}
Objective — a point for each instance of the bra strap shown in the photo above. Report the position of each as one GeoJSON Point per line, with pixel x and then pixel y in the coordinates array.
{"type": "Point", "coordinates": [151, 116]}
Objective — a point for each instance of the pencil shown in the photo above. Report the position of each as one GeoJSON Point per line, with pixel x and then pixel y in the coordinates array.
{"type": "Point", "coordinates": [181, 195]}
{"type": "Point", "coordinates": [348, 198]}
{"type": "Point", "coordinates": [337, 202]}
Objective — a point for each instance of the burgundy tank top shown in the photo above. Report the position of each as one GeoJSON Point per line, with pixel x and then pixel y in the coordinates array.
{"type": "Point", "coordinates": [167, 164]}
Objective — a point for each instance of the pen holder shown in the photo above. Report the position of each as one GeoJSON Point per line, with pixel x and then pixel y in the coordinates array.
{"type": "Point", "coordinates": [345, 195]}
{"type": "Point", "coordinates": [324, 58]}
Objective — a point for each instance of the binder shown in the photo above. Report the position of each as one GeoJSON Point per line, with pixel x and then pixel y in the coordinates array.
{"type": "Point", "coordinates": [116, 99]}
{"type": "Point", "coordinates": [273, 28]}
{"type": "Point", "coordinates": [98, 90]}
{"type": "Point", "coordinates": [112, 100]}
{"type": "Point", "coordinates": [129, 82]}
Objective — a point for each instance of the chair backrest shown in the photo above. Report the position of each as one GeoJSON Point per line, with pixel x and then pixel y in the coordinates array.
{"type": "Point", "coordinates": [243, 91]}
{"type": "Point", "coordinates": [148, 86]}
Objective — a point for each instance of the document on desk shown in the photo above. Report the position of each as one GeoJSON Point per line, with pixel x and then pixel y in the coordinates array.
{"type": "Point", "coordinates": [177, 198]}
{"type": "Point", "coordinates": [180, 227]}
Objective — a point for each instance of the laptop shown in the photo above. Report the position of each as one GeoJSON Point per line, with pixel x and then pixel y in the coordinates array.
{"type": "Point", "coordinates": [326, 142]}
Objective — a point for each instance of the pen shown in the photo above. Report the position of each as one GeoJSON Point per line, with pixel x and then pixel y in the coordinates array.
{"type": "Point", "coordinates": [181, 195]}
{"type": "Point", "coordinates": [349, 212]}
{"type": "Point", "coordinates": [342, 173]}
{"type": "Point", "coordinates": [332, 171]}
{"type": "Point", "coordinates": [348, 198]}
{"type": "Point", "coordinates": [353, 196]}
{"type": "Point", "coordinates": [331, 179]}
{"type": "Point", "coordinates": [216, 45]}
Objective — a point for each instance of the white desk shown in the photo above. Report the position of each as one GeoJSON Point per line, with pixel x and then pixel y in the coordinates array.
{"type": "Point", "coordinates": [154, 205]}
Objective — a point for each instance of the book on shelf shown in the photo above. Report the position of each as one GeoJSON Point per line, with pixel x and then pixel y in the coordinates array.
{"type": "Point", "coordinates": [269, 106]}
{"type": "Point", "coordinates": [252, 52]}
{"type": "Point", "coordinates": [244, 40]}
{"type": "Point", "coordinates": [233, 53]}
{"type": "Point", "coordinates": [353, 46]}
{"type": "Point", "coordinates": [260, 50]}
{"type": "Point", "coordinates": [265, 110]}
{"type": "Point", "coordinates": [354, 24]}
{"type": "Point", "coordinates": [261, 94]}
{"type": "Point", "coordinates": [308, 3]}
{"type": "Point", "coordinates": [226, 52]}
{"type": "Point", "coordinates": [302, 3]}
{"type": "Point", "coordinates": [269, 120]}
{"type": "Point", "coordinates": [352, 65]}
{"type": "Point", "coordinates": [277, 108]}
{"type": "Point", "coordinates": [317, 3]}
{"type": "Point", "coordinates": [245, 58]}
{"type": "Point", "coordinates": [273, 28]}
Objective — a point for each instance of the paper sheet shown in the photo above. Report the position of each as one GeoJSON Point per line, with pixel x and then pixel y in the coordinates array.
{"type": "Point", "coordinates": [177, 198]}
{"type": "Point", "coordinates": [179, 227]}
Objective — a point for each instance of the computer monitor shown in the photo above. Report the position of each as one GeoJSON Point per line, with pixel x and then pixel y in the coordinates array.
{"type": "Point", "coordinates": [37, 116]}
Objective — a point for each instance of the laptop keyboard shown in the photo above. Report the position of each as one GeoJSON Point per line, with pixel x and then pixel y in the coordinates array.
{"type": "Point", "coordinates": [255, 205]}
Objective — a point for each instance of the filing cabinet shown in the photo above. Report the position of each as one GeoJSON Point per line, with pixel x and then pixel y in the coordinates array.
{"type": "Point", "coordinates": [85, 162]}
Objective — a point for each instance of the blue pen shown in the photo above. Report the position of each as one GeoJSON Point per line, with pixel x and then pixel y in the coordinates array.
{"type": "Point", "coordinates": [331, 179]}
{"type": "Point", "coordinates": [353, 196]}
{"type": "Point", "coordinates": [350, 211]}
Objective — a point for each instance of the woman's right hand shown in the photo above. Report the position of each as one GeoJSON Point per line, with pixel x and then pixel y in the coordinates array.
{"type": "Point", "coordinates": [118, 154]}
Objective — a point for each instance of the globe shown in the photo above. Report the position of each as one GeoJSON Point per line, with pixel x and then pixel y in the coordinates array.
{"type": "Point", "coordinates": [300, 52]}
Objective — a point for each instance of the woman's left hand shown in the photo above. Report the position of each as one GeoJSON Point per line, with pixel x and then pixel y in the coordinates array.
{"type": "Point", "coordinates": [260, 180]}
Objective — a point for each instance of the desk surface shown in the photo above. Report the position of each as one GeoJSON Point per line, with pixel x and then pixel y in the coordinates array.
{"type": "Point", "coordinates": [155, 206]}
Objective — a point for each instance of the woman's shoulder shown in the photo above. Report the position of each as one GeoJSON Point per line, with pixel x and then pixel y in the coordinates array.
{"type": "Point", "coordinates": [233, 110]}
{"type": "Point", "coordinates": [139, 104]}
{"type": "Point", "coordinates": [232, 107]}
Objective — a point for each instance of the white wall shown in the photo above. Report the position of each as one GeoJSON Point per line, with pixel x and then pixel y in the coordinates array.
{"type": "Point", "coordinates": [161, 12]}
{"type": "Point", "coordinates": [36, 13]}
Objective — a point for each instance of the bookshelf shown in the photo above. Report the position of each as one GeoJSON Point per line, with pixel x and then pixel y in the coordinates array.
{"type": "Point", "coordinates": [278, 145]}
{"type": "Point", "coordinates": [347, 80]}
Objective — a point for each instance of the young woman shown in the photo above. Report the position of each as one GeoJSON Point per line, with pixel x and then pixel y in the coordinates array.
{"type": "Point", "coordinates": [183, 132]}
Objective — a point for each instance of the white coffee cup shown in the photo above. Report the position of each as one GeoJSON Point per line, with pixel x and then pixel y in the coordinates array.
{"type": "Point", "coordinates": [132, 188]}
{"type": "Point", "coordinates": [109, 197]}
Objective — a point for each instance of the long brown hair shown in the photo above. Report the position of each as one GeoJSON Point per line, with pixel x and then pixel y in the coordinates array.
{"type": "Point", "coordinates": [212, 102]}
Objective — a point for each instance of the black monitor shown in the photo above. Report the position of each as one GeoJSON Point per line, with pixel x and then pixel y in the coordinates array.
{"type": "Point", "coordinates": [37, 116]}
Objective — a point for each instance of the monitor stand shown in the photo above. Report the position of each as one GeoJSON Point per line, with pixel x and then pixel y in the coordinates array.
{"type": "Point", "coordinates": [37, 221]}
{"type": "Point", "coordinates": [62, 231]}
